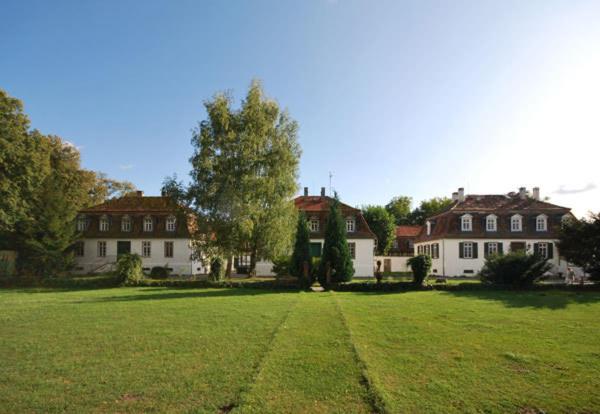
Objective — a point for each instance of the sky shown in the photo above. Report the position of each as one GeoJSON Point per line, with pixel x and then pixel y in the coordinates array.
{"type": "Point", "coordinates": [393, 98]}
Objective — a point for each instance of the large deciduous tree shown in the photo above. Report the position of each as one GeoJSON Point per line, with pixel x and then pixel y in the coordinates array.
{"type": "Point", "coordinates": [399, 208]}
{"type": "Point", "coordinates": [244, 172]}
{"type": "Point", "coordinates": [429, 208]}
{"type": "Point", "coordinates": [579, 243]}
{"type": "Point", "coordinates": [104, 188]}
{"type": "Point", "coordinates": [381, 222]}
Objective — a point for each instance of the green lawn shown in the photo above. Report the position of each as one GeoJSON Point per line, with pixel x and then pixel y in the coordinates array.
{"type": "Point", "coordinates": [247, 350]}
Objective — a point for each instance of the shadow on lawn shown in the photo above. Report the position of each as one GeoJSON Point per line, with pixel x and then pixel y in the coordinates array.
{"type": "Point", "coordinates": [542, 299]}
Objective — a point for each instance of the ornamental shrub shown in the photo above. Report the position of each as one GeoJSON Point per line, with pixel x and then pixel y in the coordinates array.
{"type": "Point", "coordinates": [159, 272]}
{"type": "Point", "coordinates": [281, 266]}
{"type": "Point", "coordinates": [217, 269]}
{"type": "Point", "coordinates": [129, 269]}
{"type": "Point", "coordinates": [301, 254]}
{"type": "Point", "coordinates": [515, 269]}
{"type": "Point", "coordinates": [420, 265]}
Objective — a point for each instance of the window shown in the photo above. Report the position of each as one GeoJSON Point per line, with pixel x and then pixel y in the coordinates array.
{"type": "Point", "coordinates": [543, 250]}
{"type": "Point", "coordinates": [79, 249]}
{"type": "Point", "coordinates": [146, 249]}
{"type": "Point", "coordinates": [352, 248]}
{"type": "Point", "coordinates": [126, 223]}
{"type": "Point", "coordinates": [101, 249]}
{"type": "Point", "coordinates": [395, 243]}
{"type": "Point", "coordinates": [466, 222]}
{"type": "Point", "coordinates": [170, 223]}
{"type": "Point", "coordinates": [428, 227]}
{"type": "Point", "coordinates": [516, 223]}
{"type": "Point", "coordinates": [81, 223]}
{"type": "Point", "coordinates": [541, 222]}
{"type": "Point", "coordinates": [103, 223]}
{"type": "Point", "coordinates": [314, 224]}
{"type": "Point", "coordinates": [491, 223]}
{"type": "Point", "coordinates": [168, 249]}
{"type": "Point", "coordinates": [468, 250]}
{"type": "Point", "coordinates": [350, 225]}
{"type": "Point", "coordinates": [435, 251]}
{"type": "Point", "coordinates": [148, 223]}
{"type": "Point", "coordinates": [315, 249]}
{"type": "Point", "coordinates": [492, 248]}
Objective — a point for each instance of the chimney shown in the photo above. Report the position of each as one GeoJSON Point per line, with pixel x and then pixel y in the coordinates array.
{"type": "Point", "coordinates": [139, 193]}
{"type": "Point", "coordinates": [522, 193]}
{"type": "Point", "coordinates": [536, 193]}
{"type": "Point", "coordinates": [322, 191]}
{"type": "Point", "coordinates": [455, 196]}
{"type": "Point", "coordinates": [305, 191]}
{"type": "Point", "coordinates": [461, 194]}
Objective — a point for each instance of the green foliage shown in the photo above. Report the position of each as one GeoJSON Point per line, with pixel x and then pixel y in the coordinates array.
{"type": "Point", "coordinates": [281, 266]}
{"type": "Point", "coordinates": [516, 269]}
{"type": "Point", "coordinates": [301, 253]}
{"type": "Point", "coordinates": [217, 269]}
{"type": "Point", "coordinates": [244, 171]}
{"type": "Point", "coordinates": [104, 188]}
{"type": "Point", "coordinates": [429, 208]}
{"type": "Point", "coordinates": [580, 244]}
{"type": "Point", "coordinates": [336, 254]}
{"type": "Point", "coordinates": [159, 272]}
{"type": "Point", "coordinates": [129, 269]}
{"type": "Point", "coordinates": [420, 266]}
{"type": "Point", "coordinates": [399, 208]}
{"type": "Point", "coordinates": [381, 222]}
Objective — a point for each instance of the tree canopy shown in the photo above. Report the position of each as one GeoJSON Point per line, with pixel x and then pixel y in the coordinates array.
{"type": "Point", "coordinates": [381, 222]}
{"type": "Point", "coordinates": [399, 208]}
{"type": "Point", "coordinates": [579, 243]}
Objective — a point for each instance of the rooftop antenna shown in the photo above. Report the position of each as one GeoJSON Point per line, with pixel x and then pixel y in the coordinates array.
{"type": "Point", "coordinates": [330, 177]}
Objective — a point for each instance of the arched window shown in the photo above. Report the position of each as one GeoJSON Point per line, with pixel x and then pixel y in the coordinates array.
{"type": "Point", "coordinates": [314, 224]}
{"type": "Point", "coordinates": [126, 223]}
{"type": "Point", "coordinates": [516, 223]}
{"type": "Point", "coordinates": [466, 222]}
{"type": "Point", "coordinates": [541, 222]}
{"type": "Point", "coordinates": [350, 224]}
{"type": "Point", "coordinates": [170, 224]}
{"type": "Point", "coordinates": [148, 223]}
{"type": "Point", "coordinates": [491, 223]}
{"type": "Point", "coordinates": [104, 223]}
{"type": "Point", "coordinates": [81, 223]}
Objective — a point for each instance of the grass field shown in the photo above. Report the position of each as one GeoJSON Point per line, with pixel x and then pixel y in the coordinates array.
{"type": "Point", "coordinates": [247, 350]}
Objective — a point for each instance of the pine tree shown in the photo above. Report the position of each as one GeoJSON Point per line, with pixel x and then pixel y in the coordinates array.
{"type": "Point", "coordinates": [336, 254]}
{"type": "Point", "coordinates": [301, 254]}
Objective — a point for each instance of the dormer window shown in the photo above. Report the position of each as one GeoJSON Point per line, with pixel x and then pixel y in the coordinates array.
{"type": "Point", "coordinates": [170, 224]}
{"type": "Point", "coordinates": [466, 222]}
{"type": "Point", "coordinates": [103, 225]}
{"type": "Point", "coordinates": [126, 224]}
{"type": "Point", "coordinates": [491, 223]}
{"type": "Point", "coordinates": [350, 225]}
{"type": "Point", "coordinates": [314, 224]}
{"type": "Point", "coordinates": [148, 223]}
{"type": "Point", "coordinates": [516, 223]}
{"type": "Point", "coordinates": [81, 223]}
{"type": "Point", "coordinates": [541, 223]}
{"type": "Point", "coordinates": [428, 224]}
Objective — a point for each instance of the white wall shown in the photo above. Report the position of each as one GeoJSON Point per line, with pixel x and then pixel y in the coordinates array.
{"type": "Point", "coordinates": [181, 262]}
{"type": "Point", "coordinates": [399, 263]}
{"type": "Point", "coordinates": [449, 263]}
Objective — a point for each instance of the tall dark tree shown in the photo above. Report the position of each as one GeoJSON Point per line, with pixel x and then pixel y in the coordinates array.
{"type": "Point", "coordinates": [579, 243]}
{"type": "Point", "coordinates": [301, 254]}
{"type": "Point", "coordinates": [399, 208]}
{"type": "Point", "coordinates": [382, 224]}
{"type": "Point", "coordinates": [335, 257]}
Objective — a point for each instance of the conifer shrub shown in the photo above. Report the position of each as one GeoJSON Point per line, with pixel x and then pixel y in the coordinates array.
{"type": "Point", "coordinates": [515, 269]}
{"type": "Point", "coordinates": [281, 266]}
{"type": "Point", "coordinates": [129, 269]}
{"type": "Point", "coordinates": [217, 269]}
{"type": "Point", "coordinates": [159, 272]}
{"type": "Point", "coordinates": [420, 265]}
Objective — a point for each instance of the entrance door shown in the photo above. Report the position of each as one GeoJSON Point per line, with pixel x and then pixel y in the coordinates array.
{"type": "Point", "coordinates": [123, 247]}
{"type": "Point", "coordinates": [517, 247]}
{"type": "Point", "coordinates": [387, 265]}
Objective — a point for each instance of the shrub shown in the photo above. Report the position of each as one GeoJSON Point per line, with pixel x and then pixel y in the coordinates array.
{"type": "Point", "coordinates": [420, 266]}
{"type": "Point", "coordinates": [301, 254]}
{"type": "Point", "coordinates": [515, 269]}
{"type": "Point", "coordinates": [129, 269]}
{"type": "Point", "coordinates": [281, 266]}
{"type": "Point", "coordinates": [159, 272]}
{"type": "Point", "coordinates": [217, 269]}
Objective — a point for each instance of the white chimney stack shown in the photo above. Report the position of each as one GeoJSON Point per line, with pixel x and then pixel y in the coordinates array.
{"type": "Point", "coordinates": [522, 193]}
{"type": "Point", "coordinates": [536, 193]}
{"type": "Point", "coordinates": [455, 196]}
{"type": "Point", "coordinates": [461, 194]}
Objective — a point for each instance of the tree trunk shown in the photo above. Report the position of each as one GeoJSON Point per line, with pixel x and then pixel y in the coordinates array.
{"type": "Point", "coordinates": [229, 267]}
{"type": "Point", "coordinates": [252, 270]}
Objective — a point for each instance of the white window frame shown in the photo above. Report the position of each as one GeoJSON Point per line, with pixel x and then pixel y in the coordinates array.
{"type": "Point", "coordinates": [428, 224]}
{"type": "Point", "coordinates": [491, 223]}
{"type": "Point", "coordinates": [146, 248]}
{"type": "Point", "coordinates": [350, 224]}
{"type": "Point", "coordinates": [541, 223]}
{"type": "Point", "coordinates": [101, 249]}
{"type": "Point", "coordinates": [467, 247]}
{"type": "Point", "coordinates": [171, 223]}
{"type": "Point", "coordinates": [103, 224]}
{"type": "Point", "coordinates": [516, 222]}
{"type": "Point", "coordinates": [172, 244]}
{"type": "Point", "coordinates": [126, 224]}
{"type": "Point", "coordinates": [543, 250]}
{"type": "Point", "coordinates": [492, 248]}
{"type": "Point", "coordinates": [148, 224]}
{"type": "Point", "coordinates": [352, 248]}
{"type": "Point", "coordinates": [81, 223]}
{"type": "Point", "coordinates": [313, 224]}
{"type": "Point", "coordinates": [466, 222]}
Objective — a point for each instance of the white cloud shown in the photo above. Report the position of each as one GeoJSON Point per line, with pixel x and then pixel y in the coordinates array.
{"type": "Point", "coordinates": [563, 190]}
{"type": "Point", "coordinates": [126, 166]}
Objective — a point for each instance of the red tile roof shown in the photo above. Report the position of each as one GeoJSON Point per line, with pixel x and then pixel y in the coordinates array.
{"type": "Point", "coordinates": [408, 231]}
{"type": "Point", "coordinates": [318, 203]}
{"type": "Point", "coordinates": [134, 204]}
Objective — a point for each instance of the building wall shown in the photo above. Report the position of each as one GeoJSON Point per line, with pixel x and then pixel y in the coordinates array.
{"type": "Point", "coordinates": [181, 262]}
{"type": "Point", "coordinates": [450, 264]}
{"type": "Point", "coordinates": [399, 263]}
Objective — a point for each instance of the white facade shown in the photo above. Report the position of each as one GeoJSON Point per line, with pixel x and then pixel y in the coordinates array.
{"type": "Point", "coordinates": [449, 262]}
{"type": "Point", "coordinates": [181, 262]}
{"type": "Point", "coordinates": [397, 263]}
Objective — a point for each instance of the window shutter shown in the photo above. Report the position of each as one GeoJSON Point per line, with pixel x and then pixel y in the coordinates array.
{"type": "Point", "coordinates": [475, 250]}
{"type": "Point", "coordinates": [550, 250]}
{"type": "Point", "coordinates": [500, 248]}
{"type": "Point", "coordinates": [461, 250]}
{"type": "Point", "coordinates": [486, 249]}
{"type": "Point", "coordinates": [536, 249]}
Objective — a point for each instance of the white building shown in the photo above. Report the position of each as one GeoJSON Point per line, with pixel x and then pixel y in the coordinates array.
{"type": "Point", "coordinates": [474, 226]}
{"type": "Point", "coordinates": [153, 227]}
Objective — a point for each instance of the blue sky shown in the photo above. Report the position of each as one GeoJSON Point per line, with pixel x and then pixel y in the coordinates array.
{"type": "Point", "coordinates": [414, 98]}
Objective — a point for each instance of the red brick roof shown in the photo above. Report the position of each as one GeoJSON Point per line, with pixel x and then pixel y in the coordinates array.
{"type": "Point", "coordinates": [408, 231]}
